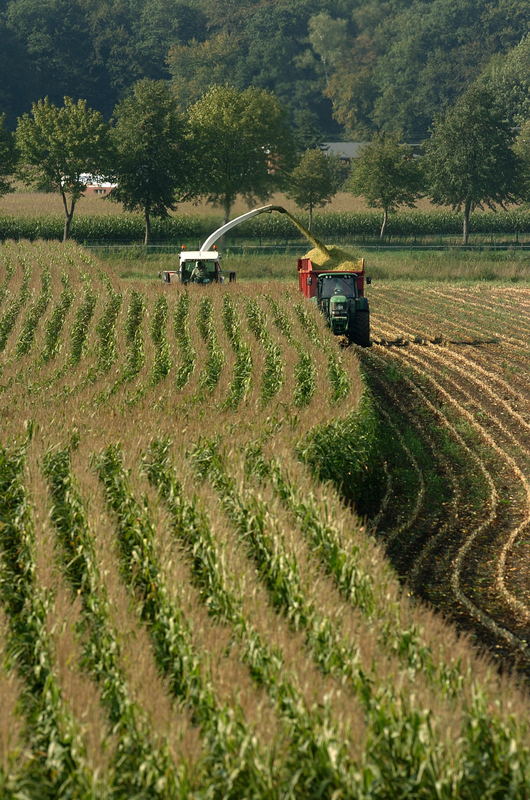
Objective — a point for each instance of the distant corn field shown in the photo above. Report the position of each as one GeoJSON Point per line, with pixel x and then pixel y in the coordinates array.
{"type": "Point", "coordinates": [189, 607]}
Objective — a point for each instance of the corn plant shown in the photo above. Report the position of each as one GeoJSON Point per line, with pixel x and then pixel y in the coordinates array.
{"type": "Point", "coordinates": [305, 370]}
{"type": "Point", "coordinates": [141, 768]}
{"type": "Point", "coordinates": [162, 360]}
{"type": "Point", "coordinates": [55, 324]}
{"type": "Point", "coordinates": [83, 318]}
{"type": "Point", "coordinates": [215, 359]}
{"type": "Point", "coordinates": [275, 566]}
{"type": "Point", "coordinates": [280, 319]}
{"type": "Point", "coordinates": [241, 381]}
{"type": "Point", "coordinates": [337, 375]}
{"type": "Point", "coordinates": [105, 329]}
{"type": "Point", "coordinates": [9, 269]}
{"type": "Point", "coordinates": [233, 762]}
{"type": "Point", "coordinates": [318, 761]}
{"type": "Point", "coordinates": [10, 315]}
{"type": "Point", "coordinates": [33, 316]}
{"type": "Point", "coordinates": [322, 535]}
{"type": "Point", "coordinates": [305, 377]}
{"type": "Point", "coordinates": [57, 765]}
{"type": "Point", "coordinates": [273, 371]}
{"type": "Point", "coordinates": [135, 357]}
{"type": "Point", "coordinates": [184, 343]}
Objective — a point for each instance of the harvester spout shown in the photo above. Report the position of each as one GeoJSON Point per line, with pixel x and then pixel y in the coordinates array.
{"type": "Point", "coordinates": [303, 230]}
{"type": "Point", "coordinates": [213, 237]}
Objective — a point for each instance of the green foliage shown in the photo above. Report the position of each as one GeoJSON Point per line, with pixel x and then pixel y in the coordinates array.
{"type": "Point", "coordinates": [36, 311]}
{"type": "Point", "coordinates": [162, 360]}
{"type": "Point", "coordinates": [507, 76]}
{"type": "Point", "coordinates": [7, 156]}
{"type": "Point", "coordinates": [269, 228]}
{"type": "Point", "coordinates": [184, 341]}
{"type": "Point", "coordinates": [274, 368]}
{"type": "Point", "coordinates": [215, 358]}
{"type": "Point", "coordinates": [55, 323]}
{"type": "Point", "coordinates": [386, 175]}
{"type": "Point", "coordinates": [469, 160]}
{"type": "Point", "coordinates": [394, 66]}
{"type": "Point", "coordinates": [233, 763]}
{"type": "Point", "coordinates": [58, 763]}
{"type": "Point", "coordinates": [522, 149]}
{"type": "Point", "coordinates": [241, 381]}
{"type": "Point", "coordinates": [59, 147]}
{"type": "Point", "coordinates": [140, 768]}
{"type": "Point", "coordinates": [106, 330]}
{"type": "Point", "coordinates": [239, 138]}
{"type": "Point", "coordinates": [345, 451]}
{"type": "Point", "coordinates": [314, 181]}
{"type": "Point", "coordinates": [79, 331]}
{"type": "Point", "coordinates": [151, 162]}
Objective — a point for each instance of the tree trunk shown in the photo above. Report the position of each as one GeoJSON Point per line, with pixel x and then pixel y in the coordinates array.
{"type": "Point", "coordinates": [147, 236]}
{"type": "Point", "coordinates": [467, 214]}
{"type": "Point", "coordinates": [227, 205]}
{"type": "Point", "coordinates": [67, 225]}
{"type": "Point", "coordinates": [385, 220]}
{"type": "Point", "coordinates": [68, 216]}
{"type": "Point", "coordinates": [310, 223]}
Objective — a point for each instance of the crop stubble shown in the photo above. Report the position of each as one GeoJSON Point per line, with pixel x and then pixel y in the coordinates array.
{"type": "Point", "coordinates": [464, 356]}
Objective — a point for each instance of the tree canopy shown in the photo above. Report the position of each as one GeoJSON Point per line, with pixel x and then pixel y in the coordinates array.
{"type": "Point", "coordinates": [469, 160]}
{"type": "Point", "coordinates": [7, 156]}
{"type": "Point", "coordinates": [387, 175]}
{"type": "Point", "coordinates": [61, 146]}
{"type": "Point", "coordinates": [151, 163]}
{"type": "Point", "coordinates": [242, 140]}
{"type": "Point", "coordinates": [353, 66]}
{"type": "Point", "coordinates": [314, 181]}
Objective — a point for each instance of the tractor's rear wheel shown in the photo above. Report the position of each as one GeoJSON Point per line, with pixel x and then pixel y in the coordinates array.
{"type": "Point", "coordinates": [360, 329]}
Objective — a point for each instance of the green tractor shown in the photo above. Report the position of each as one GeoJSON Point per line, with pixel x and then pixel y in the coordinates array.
{"type": "Point", "coordinates": [346, 311]}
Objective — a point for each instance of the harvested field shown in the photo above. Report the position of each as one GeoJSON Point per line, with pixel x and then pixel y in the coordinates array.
{"type": "Point", "coordinates": [456, 363]}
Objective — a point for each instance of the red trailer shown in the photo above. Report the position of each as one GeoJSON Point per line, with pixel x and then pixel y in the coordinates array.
{"type": "Point", "coordinates": [308, 274]}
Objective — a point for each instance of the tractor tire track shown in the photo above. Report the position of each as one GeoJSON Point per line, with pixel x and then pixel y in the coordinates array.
{"type": "Point", "coordinates": [517, 532]}
{"type": "Point", "coordinates": [476, 612]}
{"type": "Point", "coordinates": [521, 608]}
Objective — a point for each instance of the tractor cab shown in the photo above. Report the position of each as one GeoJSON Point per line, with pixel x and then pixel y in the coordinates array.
{"type": "Point", "coordinates": [200, 267]}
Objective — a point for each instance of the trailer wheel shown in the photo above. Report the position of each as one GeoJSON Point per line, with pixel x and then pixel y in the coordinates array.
{"type": "Point", "coordinates": [360, 329]}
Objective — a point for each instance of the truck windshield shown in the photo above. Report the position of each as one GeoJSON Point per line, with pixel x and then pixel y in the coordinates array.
{"type": "Point", "coordinates": [333, 284]}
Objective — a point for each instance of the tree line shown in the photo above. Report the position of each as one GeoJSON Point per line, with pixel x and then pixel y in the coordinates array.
{"type": "Point", "coordinates": [337, 66]}
{"type": "Point", "coordinates": [231, 142]}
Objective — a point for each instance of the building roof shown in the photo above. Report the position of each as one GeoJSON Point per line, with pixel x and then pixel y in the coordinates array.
{"type": "Point", "coordinates": [343, 149]}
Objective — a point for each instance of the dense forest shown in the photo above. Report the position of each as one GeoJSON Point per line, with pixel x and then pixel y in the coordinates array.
{"type": "Point", "coordinates": [347, 67]}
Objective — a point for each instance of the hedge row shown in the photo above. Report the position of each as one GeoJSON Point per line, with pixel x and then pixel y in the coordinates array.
{"type": "Point", "coordinates": [128, 228]}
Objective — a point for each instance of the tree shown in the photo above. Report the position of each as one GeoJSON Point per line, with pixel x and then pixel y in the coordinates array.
{"type": "Point", "coordinates": [314, 181]}
{"type": "Point", "coordinates": [242, 138]}
{"type": "Point", "coordinates": [62, 147]}
{"type": "Point", "coordinates": [386, 175]}
{"type": "Point", "coordinates": [522, 149]}
{"type": "Point", "coordinates": [7, 156]}
{"type": "Point", "coordinates": [469, 159]}
{"type": "Point", "coordinates": [151, 165]}
{"type": "Point", "coordinates": [508, 76]}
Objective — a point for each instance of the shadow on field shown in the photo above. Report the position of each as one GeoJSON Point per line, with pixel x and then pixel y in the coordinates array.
{"type": "Point", "coordinates": [401, 341]}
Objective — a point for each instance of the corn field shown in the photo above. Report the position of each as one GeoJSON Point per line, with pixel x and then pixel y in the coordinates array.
{"type": "Point", "coordinates": [189, 605]}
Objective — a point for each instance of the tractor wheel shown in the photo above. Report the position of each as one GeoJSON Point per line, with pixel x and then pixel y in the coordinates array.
{"type": "Point", "coordinates": [360, 329]}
